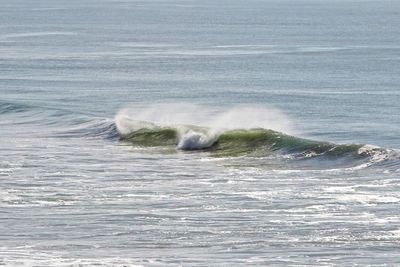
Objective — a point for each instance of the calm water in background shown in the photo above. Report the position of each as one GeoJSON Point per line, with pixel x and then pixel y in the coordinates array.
{"type": "Point", "coordinates": [71, 193]}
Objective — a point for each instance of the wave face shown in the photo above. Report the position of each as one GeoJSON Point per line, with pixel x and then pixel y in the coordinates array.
{"type": "Point", "coordinates": [262, 141]}
{"type": "Point", "coordinates": [236, 142]}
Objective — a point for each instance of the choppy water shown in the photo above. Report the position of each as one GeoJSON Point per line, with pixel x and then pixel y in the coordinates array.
{"type": "Point", "coordinates": [199, 133]}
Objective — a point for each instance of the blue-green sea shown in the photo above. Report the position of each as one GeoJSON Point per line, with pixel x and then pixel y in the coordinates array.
{"type": "Point", "coordinates": [199, 133]}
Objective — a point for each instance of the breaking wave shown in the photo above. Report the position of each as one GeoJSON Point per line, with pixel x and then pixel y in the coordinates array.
{"type": "Point", "coordinates": [251, 143]}
{"type": "Point", "coordinates": [236, 142]}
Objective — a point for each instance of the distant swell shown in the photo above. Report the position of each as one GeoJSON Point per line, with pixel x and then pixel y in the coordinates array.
{"type": "Point", "coordinates": [10, 107]}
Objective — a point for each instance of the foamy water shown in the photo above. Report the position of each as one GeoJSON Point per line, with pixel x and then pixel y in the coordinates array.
{"type": "Point", "coordinates": [211, 133]}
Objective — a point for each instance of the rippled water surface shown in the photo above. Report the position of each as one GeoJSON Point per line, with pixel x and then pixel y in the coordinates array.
{"type": "Point", "coordinates": [199, 133]}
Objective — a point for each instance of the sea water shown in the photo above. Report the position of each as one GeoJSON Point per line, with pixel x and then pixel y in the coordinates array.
{"type": "Point", "coordinates": [199, 133]}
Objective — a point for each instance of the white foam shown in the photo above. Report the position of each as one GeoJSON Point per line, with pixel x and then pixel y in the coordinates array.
{"type": "Point", "coordinates": [367, 198]}
{"type": "Point", "coordinates": [28, 256]}
{"type": "Point", "coordinates": [192, 140]}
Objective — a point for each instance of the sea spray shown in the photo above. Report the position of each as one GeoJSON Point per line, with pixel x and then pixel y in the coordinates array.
{"type": "Point", "coordinates": [218, 119]}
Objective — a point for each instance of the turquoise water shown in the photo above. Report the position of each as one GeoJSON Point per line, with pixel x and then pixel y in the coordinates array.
{"type": "Point", "coordinates": [199, 133]}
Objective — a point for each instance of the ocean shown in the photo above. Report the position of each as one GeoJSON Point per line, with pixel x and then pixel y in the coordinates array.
{"type": "Point", "coordinates": [199, 133]}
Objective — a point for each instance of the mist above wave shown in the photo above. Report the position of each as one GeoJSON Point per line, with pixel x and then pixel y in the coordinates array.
{"type": "Point", "coordinates": [216, 119]}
